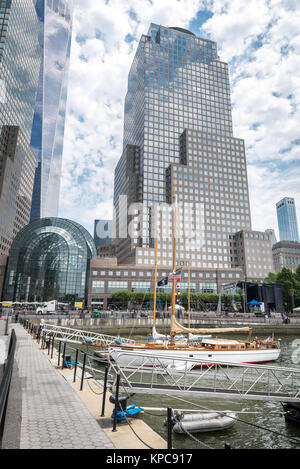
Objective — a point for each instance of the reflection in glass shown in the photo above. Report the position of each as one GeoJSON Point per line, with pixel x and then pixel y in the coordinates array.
{"type": "Point", "coordinates": [49, 259]}
{"type": "Point", "coordinates": [49, 120]}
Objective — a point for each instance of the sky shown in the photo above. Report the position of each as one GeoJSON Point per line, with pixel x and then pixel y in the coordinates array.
{"type": "Point", "coordinates": [259, 39]}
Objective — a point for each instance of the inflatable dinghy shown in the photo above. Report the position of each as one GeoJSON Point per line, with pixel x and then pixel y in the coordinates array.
{"type": "Point", "coordinates": [204, 422]}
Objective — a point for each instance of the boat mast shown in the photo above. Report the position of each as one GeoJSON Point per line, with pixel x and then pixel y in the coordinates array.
{"type": "Point", "coordinates": [155, 282]}
{"type": "Point", "coordinates": [172, 334]}
{"type": "Point", "coordinates": [189, 302]}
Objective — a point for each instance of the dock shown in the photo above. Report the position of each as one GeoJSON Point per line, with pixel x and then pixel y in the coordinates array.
{"type": "Point", "coordinates": [46, 410]}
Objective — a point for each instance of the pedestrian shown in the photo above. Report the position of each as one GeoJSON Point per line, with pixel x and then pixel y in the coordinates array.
{"type": "Point", "coordinates": [16, 317]}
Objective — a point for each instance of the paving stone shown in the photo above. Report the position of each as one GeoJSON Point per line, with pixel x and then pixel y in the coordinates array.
{"type": "Point", "coordinates": [53, 416]}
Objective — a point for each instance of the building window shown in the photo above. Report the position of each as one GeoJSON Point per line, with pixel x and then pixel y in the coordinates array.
{"type": "Point", "coordinates": [116, 285]}
{"type": "Point", "coordinates": [141, 286]}
{"type": "Point", "coordinates": [97, 286]}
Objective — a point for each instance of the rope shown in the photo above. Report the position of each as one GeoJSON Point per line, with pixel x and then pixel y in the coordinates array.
{"type": "Point", "coordinates": [142, 441]}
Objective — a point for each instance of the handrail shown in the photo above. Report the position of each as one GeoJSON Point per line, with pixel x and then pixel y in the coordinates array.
{"type": "Point", "coordinates": [6, 380]}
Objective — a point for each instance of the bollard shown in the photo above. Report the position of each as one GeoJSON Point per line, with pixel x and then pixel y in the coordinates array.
{"type": "Point", "coordinates": [116, 403]}
{"type": "Point", "coordinates": [83, 371]}
{"type": "Point", "coordinates": [104, 391]}
{"type": "Point", "coordinates": [169, 426]}
{"type": "Point", "coordinates": [75, 366]}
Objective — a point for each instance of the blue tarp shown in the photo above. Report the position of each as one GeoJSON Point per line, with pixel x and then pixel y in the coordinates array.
{"type": "Point", "coordinates": [254, 303]}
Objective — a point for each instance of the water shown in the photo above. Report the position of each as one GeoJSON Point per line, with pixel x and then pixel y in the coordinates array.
{"type": "Point", "coordinates": [266, 414]}
{"type": "Point", "coordinates": [250, 432]}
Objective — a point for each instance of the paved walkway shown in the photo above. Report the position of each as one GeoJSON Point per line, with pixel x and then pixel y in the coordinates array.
{"type": "Point", "coordinates": [53, 416]}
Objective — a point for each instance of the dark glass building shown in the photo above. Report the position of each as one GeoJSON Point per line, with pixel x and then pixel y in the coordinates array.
{"type": "Point", "coordinates": [287, 220]}
{"type": "Point", "coordinates": [102, 232]}
{"type": "Point", "coordinates": [20, 59]}
{"type": "Point", "coordinates": [47, 136]}
{"type": "Point", "coordinates": [178, 139]}
{"type": "Point", "coordinates": [49, 259]}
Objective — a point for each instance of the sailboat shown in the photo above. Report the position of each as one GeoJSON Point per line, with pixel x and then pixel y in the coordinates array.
{"type": "Point", "coordinates": [208, 350]}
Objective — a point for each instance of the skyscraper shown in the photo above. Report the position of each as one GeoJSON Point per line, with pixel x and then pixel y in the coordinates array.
{"type": "Point", "coordinates": [55, 18]}
{"type": "Point", "coordinates": [102, 232]}
{"type": "Point", "coordinates": [20, 58]}
{"type": "Point", "coordinates": [178, 140]}
{"type": "Point", "coordinates": [287, 220]}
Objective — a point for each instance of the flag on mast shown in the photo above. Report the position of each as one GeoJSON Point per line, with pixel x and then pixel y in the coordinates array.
{"type": "Point", "coordinates": [176, 274]}
{"type": "Point", "coordinates": [163, 282]}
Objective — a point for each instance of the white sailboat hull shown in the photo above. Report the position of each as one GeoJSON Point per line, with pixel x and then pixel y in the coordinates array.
{"type": "Point", "coordinates": [141, 357]}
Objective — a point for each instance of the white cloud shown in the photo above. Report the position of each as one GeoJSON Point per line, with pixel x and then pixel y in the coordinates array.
{"type": "Point", "coordinates": [260, 39]}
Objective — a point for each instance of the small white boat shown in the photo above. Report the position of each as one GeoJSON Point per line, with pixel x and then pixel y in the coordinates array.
{"type": "Point", "coordinates": [203, 422]}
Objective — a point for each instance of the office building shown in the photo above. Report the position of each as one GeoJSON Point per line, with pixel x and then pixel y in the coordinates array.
{"type": "Point", "coordinates": [252, 252]}
{"type": "Point", "coordinates": [287, 220]}
{"type": "Point", "coordinates": [55, 18]}
{"type": "Point", "coordinates": [178, 141]}
{"type": "Point", "coordinates": [272, 235]}
{"type": "Point", "coordinates": [49, 259]}
{"type": "Point", "coordinates": [20, 59]}
{"type": "Point", "coordinates": [286, 254]}
{"type": "Point", "coordinates": [102, 232]}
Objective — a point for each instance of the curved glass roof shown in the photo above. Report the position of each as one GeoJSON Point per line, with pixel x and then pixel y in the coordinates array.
{"type": "Point", "coordinates": [49, 259]}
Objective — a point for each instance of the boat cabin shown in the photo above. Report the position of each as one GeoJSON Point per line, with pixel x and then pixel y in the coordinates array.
{"type": "Point", "coordinates": [223, 344]}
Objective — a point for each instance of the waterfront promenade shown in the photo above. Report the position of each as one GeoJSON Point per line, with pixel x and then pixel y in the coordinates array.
{"type": "Point", "coordinates": [44, 411]}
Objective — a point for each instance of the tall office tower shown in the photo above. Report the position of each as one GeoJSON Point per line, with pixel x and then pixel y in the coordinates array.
{"type": "Point", "coordinates": [49, 119]}
{"type": "Point", "coordinates": [287, 220]}
{"type": "Point", "coordinates": [20, 58]}
{"type": "Point", "coordinates": [102, 232]}
{"type": "Point", "coordinates": [178, 141]}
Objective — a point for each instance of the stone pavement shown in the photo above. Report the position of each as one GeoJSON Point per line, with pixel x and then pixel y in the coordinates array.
{"type": "Point", "coordinates": [52, 415]}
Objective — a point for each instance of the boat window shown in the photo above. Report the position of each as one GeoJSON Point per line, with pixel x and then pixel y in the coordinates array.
{"type": "Point", "coordinates": [233, 347]}
{"type": "Point", "coordinates": [223, 347]}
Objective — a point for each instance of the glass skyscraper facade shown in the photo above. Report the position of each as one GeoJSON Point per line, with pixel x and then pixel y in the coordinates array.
{"type": "Point", "coordinates": [20, 58]}
{"type": "Point", "coordinates": [178, 140]}
{"type": "Point", "coordinates": [49, 259]}
{"type": "Point", "coordinates": [287, 220]}
{"type": "Point", "coordinates": [47, 136]}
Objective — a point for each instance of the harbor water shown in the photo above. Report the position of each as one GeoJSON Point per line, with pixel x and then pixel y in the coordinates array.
{"type": "Point", "coordinates": [260, 424]}
{"type": "Point", "coordinates": [256, 418]}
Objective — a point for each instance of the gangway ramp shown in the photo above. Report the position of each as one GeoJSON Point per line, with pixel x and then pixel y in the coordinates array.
{"type": "Point", "coordinates": [78, 336]}
{"type": "Point", "coordinates": [222, 379]}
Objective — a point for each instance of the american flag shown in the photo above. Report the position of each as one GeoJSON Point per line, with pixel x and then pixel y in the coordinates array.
{"type": "Point", "coordinates": [175, 274]}
{"type": "Point", "coordinates": [268, 340]}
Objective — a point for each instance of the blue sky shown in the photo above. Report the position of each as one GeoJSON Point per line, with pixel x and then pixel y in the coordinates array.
{"type": "Point", "coordinates": [259, 39]}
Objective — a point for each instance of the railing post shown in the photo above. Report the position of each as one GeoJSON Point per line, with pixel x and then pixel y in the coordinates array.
{"type": "Point", "coordinates": [83, 371]}
{"type": "Point", "coordinates": [63, 357]}
{"type": "Point", "coordinates": [104, 392]}
{"type": "Point", "coordinates": [169, 427]}
{"type": "Point", "coordinates": [116, 403]}
{"type": "Point", "coordinates": [75, 366]}
{"type": "Point", "coordinates": [6, 325]}
{"type": "Point", "coordinates": [52, 346]}
{"type": "Point", "coordinates": [59, 349]}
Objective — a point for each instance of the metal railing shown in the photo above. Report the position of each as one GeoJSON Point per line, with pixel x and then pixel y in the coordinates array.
{"type": "Point", "coordinates": [221, 379]}
{"type": "Point", "coordinates": [5, 382]}
{"type": "Point", "coordinates": [79, 336]}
